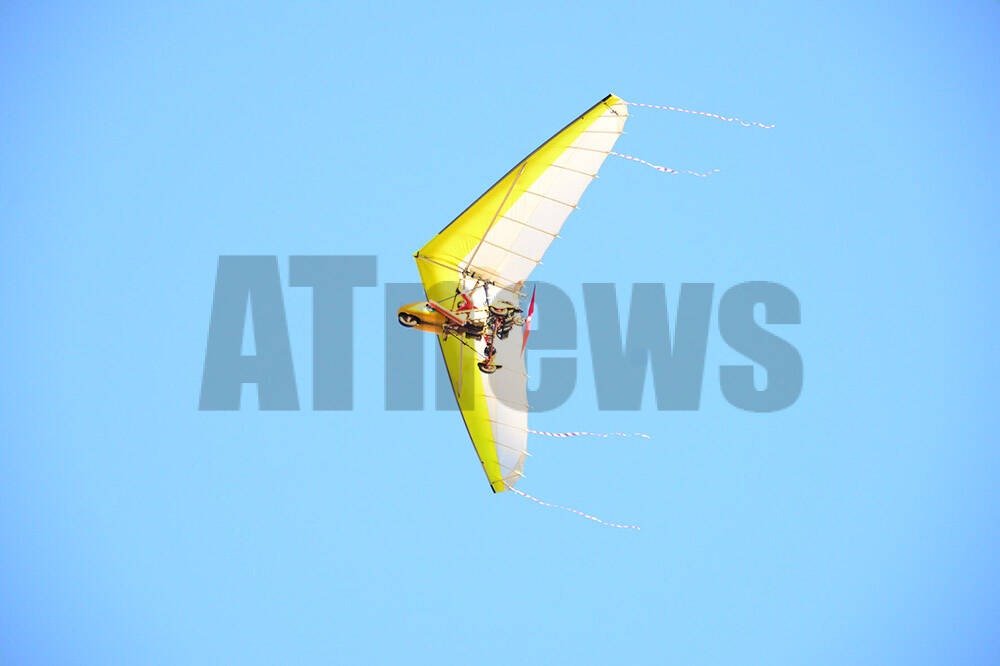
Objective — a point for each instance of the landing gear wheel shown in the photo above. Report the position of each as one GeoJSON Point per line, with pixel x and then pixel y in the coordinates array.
{"type": "Point", "coordinates": [488, 368]}
{"type": "Point", "coordinates": [408, 320]}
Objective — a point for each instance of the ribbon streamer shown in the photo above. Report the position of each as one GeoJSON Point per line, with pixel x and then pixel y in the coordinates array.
{"type": "Point", "coordinates": [571, 510]}
{"type": "Point", "coordinates": [702, 113]}
{"type": "Point", "coordinates": [663, 168]}
{"type": "Point", "coordinates": [589, 434]}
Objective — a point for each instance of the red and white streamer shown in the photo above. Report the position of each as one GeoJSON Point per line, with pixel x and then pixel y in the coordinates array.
{"type": "Point", "coordinates": [663, 168]}
{"type": "Point", "coordinates": [571, 510]}
{"type": "Point", "coordinates": [702, 113]}
{"type": "Point", "coordinates": [589, 434]}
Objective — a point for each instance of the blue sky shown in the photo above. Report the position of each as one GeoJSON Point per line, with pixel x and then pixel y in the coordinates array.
{"type": "Point", "coordinates": [140, 141]}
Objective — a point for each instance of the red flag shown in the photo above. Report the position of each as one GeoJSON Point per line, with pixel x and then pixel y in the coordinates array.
{"type": "Point", "coordinates": [527, 322]}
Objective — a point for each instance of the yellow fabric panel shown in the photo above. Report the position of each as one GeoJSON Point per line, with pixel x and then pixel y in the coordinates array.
{"type": "Point", "coordinates": [453, 245]}
{"type": "Point", "coordinates": [472, 403]}
{"type": "Point", "coordinates": [439, 284]}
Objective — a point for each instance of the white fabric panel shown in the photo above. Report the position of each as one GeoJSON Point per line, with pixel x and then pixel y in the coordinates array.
{"type": "Point", "coordinates": [512, 248]}
{"type": "Point", "coordinates": [562, 184]}
{"type": "Point", "coordinates": [505, 232]}
{"type": "Point", "coordinates": [491, 258]}
{"type": "Point", "coordinates": [540, 213]}
{"type": "Point", "coordinates": [508, 411]}
{"type": "Point", "coordinates": [588, 161]}
{"type": "Point", "coordinates": [610, 122]}
{"type": "Point", "coordinates": [531, 243]}
{"type": "Point", "coordinates": [506, 392]}
{"type": "Point", "coordinates": [596, 141]}
{"type": "Point", "coordinates": [549, 201]}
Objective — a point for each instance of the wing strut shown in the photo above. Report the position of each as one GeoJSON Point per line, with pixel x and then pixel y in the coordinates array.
{"type": "Point", "coordinates": [506, 285]}
{"type": "Point", "coordinates": [468, 264]}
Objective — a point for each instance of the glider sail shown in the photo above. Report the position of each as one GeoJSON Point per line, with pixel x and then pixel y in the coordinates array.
{"type": "Point", "coordinates": [488, 252]}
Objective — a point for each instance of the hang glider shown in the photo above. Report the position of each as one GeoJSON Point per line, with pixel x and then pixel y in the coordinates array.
{"type": "Point", "coordinates": [473, 273]}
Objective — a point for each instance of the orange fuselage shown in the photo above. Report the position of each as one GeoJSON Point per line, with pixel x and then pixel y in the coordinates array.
{"type": "Point", "coordinates": [426, 318]}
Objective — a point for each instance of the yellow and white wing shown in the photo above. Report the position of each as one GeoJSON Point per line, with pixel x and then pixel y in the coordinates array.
{"type": "Point", "coordinates": [500, 239]}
